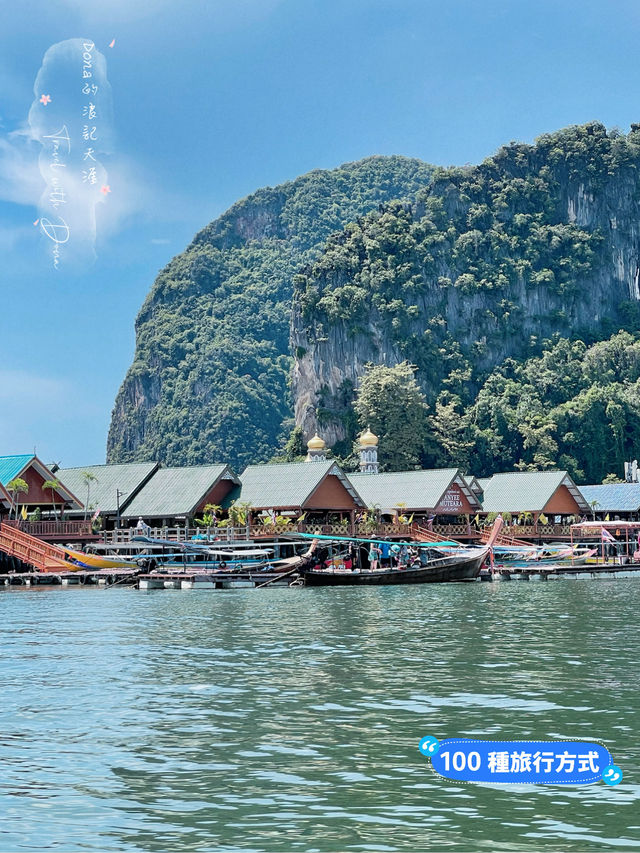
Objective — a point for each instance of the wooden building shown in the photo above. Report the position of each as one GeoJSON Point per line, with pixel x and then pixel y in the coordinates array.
{"type": "Point", "coordinates": [294, 488]}
{"type": "Point", "coordinates": [108, 489]}
{"type": "Point", "coordinates": [475, 485]}
{"type": "Point", "coordinates": [442, 494]}
{"type": "Point", "coordinates": [174, 496]}
{"type": "Point", "coordinates": [35, 473]}
{"type": "Point", "coordinates": [615, 500]}
{"type": "Point", "coordinates": [552, 493]}
{"type": "Point", "coordinates": [5, 501]}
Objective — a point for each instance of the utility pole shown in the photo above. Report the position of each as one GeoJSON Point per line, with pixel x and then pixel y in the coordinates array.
{"type": "Point", "coordinates": [119, 495]}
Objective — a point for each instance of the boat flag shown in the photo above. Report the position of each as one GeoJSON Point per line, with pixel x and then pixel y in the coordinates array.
{"type": "Point", "coordinates": [606, 536]}
{"type": "Point", "coordinates": [95, 515]}
{"type": "Point", "coordinates": [606, 518]}
{"type": "Point", "coordinates": [23, 513]}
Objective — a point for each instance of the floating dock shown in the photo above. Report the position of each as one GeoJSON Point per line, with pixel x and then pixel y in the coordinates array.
{"type": "Point", "coordinates": [212, 580]}
{"type": "Point", "coordinates": [551, 573]}
{"type": "Point", "coordinates": [251, 580]}
{"type": "Point", "coordinates": [82, 577]}
{"type": "Point", "coordinates": [154, 580]}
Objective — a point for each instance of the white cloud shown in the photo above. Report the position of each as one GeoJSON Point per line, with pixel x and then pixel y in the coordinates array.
{"type": "Point", "coordinates": [20, 178]}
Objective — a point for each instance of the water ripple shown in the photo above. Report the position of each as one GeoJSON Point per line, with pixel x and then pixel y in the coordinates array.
{"type": "Point", "coordinates": [289, 721]}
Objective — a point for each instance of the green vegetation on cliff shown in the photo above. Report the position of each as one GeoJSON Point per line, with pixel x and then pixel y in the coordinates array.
{"type": "Point", "coordinates": [574, 407]}
{"type": "Point", "coordinates": [390, 403]}
{"type": "Point", "coordinates": [210, 378]}
{"type": "Point", "coordinates": [496, 281]}
{"type": "Point", "coordinates": [498, 230]}
{"type": "Point", "coordinates": [490, 265]}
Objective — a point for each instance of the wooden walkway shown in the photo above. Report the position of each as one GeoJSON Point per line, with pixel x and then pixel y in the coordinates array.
{"type": "Point", "coordinates": [423, 534]}
{"type": "Point", "coordinates": [34, 552]}
{"type": "Point", "coordinates": [505, 540]}
{"type": "Point", "coordinates": [83, 577]}
{"type": "Point", "coordinates": [211, 580]}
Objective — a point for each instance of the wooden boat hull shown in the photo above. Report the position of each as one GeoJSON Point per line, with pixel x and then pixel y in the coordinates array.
{"type": "Point", "coordinates": [446, 570]}
{"type": "Point", "coordinates": [94, 561]}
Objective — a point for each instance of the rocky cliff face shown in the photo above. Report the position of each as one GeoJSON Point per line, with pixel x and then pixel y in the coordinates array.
{"type": "Point", "coordinates": [489, 261]}
{"type": "Point", "coordinates": [210, 377]}
{"type": "Point", "coordinates": [280, 303]}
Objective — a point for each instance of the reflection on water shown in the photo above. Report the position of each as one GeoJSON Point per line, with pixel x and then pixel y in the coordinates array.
{"type": "Point", "coordinates": [278, 720]}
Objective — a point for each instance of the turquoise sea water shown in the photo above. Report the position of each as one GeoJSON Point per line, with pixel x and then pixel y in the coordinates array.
{"type": "Point", "coordinates": [277, 720]}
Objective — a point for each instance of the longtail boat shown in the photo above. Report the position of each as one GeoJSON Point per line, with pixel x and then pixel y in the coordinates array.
{"type": "Point", "coordinates": [81, 560]}
{"type": "Point", "coordinates": [463, 564]}
{"type": "Point", "coordinates": [463, 567]}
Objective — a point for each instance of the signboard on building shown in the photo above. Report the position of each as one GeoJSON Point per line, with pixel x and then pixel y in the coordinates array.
{"type": "Point", "coordinates": [453, 502]}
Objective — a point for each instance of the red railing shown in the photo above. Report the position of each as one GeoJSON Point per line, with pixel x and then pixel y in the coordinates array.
{"type": "Point", "coordinates": [363, 530]}
{"type": "Point", "coordinates": [52, 529]}
{"type": "Point", "coordinates": [427, 534]}
{"type": "Point", "coordinates": [258, 531]}
{"type": "Point", "coordinates": [28, 549]}
{"type": "Point", "coordinates": [536, 531]}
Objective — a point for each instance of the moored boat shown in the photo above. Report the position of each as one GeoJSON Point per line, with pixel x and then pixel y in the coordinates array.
{"type": "Point", "coordinates": [459, 567]}
{"type": "Point", "coordinates": [81, 560]}
{"type": "Point", "coordinates": [437, 565]}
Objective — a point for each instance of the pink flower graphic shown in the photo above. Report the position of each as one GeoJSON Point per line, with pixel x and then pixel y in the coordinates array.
{"type": "Point", "coordinates": [45, 99]}
{"type": "Point", "coordinates": [106, 189]}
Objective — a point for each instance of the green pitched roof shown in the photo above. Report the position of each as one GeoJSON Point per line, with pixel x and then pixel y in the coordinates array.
{"type": "Point", "coordinates": [11, 466]}
{"type": "Point", "coordinates": [128, 479]}
{"type": "Point", "coordinates": [473, 483]}
{"type": "Point", "coordinates": [415, 490]}
{"type": "Point", "coordinates": [176, 491]}
{"type": "Point", "coordinates": [527, 491]}
{"type": "Point", "coordinates": [287, 485]}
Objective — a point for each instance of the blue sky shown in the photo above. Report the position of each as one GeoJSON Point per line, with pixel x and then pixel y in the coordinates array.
{"type": "Point", "coordinates": [215, 98]}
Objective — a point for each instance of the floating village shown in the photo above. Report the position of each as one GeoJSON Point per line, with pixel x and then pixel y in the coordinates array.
{"type": "Point", "coordinates": [307, 523]}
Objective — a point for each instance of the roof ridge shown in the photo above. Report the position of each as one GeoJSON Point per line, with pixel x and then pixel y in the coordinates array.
{"type": "Point", "coordinates": [415, 471]}
{"type": "Point", "coordinates": [18, 456]}
{"type": "Point", "coordinates": [520, 473]}
{"type": "Point", "coordinates": [103, 465]}
{"type": "Point", "coordinates": [194, 467]}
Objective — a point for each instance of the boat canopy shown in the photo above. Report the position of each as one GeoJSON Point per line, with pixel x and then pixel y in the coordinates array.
{"type": "Point", "coordinates": [377, 541]}
{"type": "Point", "coordinates": [254, 552]}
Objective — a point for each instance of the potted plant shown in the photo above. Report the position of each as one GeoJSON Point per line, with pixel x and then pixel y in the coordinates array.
{"type": "Point", "coordinates": [239, 513]}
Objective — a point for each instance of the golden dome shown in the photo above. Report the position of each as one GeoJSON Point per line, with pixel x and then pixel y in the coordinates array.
{"type": "Point", "coordinates": [316, 443]}
{"type": "Point", "coordinates": [368, 439]}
